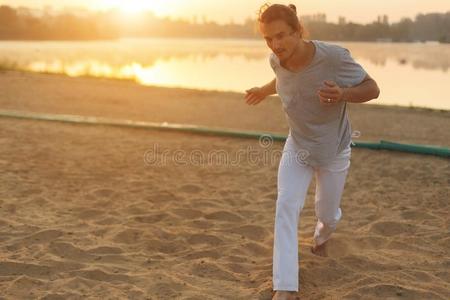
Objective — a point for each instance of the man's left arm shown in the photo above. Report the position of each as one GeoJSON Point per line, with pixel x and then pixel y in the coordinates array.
{"type": "Point", "coordinates": [363, 92]}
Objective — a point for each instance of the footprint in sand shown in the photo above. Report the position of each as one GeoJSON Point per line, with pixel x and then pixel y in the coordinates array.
{"type": "Point", "coordinates": [9, 268]}
{"type": "Point", "coordinates": [191, 188]}
{"type": "Point", "coordinates": [202, 224]}
{"type": "Point", "coordinates": [3, 223]}
{"type": "Point", "coordinates": [162, 197]}
{"type": "Point", "coordinates": [69, 251]}
{"type": "Point", "coordinates": [362, 263]}
{"type": "Point", "coordinates": [105, 250]}
{"type": "Point", "coordinates": [254, 249]}
{"type": "Point", "coordinates": [109, 221]}
{"type": "Point", "coordinates": [224, 216]}
{"type": "Point", "coordinates": [391, 228]}
{"type": "Point", "coordinates": [237, 268]}
{"type": "Point", "coordinates": [154, 218]}
{"type": "Point", "coordinates": [271, 196]}
{"type": "Point", "coordinates": [100, 275]}
{"type": "Point", "coordinates": [267, 188]}
{"type": "Point", "coordinates": [38, 201]}
{"type": "Point", "coordinates": [187, 213]}
{"type": "Point", "coordinates": [211, 271]}
{"type": "Point", "coordinates": [129, 236]}
{"type": "Point", "coordinates": [20, 287]}
{"type": "Point", "coordinates": [203, 254]}
{"type": "Point", "coordinates": [253, 232]}
{"type": "Point", "coordinates": [30, 192]}
{"type": "Point", "coordinates": [370, 242]}
{"type": "Point", "coordinates": [416, 215]}
{"type": "Point", "coordinates": [338, 247]}
{"type": "Point", "coordinates": [103, 193]}
{"type": "Point", "coordinates": [43, 236]}
{"type": "Point", "coordinates": [166, 288]}
{"type": "Point", "coordinates": [238, 258]}
{"type": "Point", "coordinates": [86, 214]}
{"type": "Point", "coordinates": [204, 239]}
{"type": "Point", "coordinates": [388, 291]}
{"type": "Point", "coordinates": [136, 209]}
{"type": "Point", "coordinates": [163, 246]}
{"type": "Point", "coordinates": [206, 203]}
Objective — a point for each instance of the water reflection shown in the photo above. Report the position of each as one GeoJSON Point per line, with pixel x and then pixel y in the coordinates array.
{"type": "Point", "coordinates": [418, 55]}
{"type": "Point", "coordinates": [409, 74]}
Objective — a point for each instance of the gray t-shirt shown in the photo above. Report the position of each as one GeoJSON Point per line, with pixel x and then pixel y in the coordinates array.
{"type": "Point", "coordinates": [321, 132]}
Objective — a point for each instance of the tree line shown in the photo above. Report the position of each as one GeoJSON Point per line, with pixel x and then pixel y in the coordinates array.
{"type": "Point", "coordinates": [21, 24]}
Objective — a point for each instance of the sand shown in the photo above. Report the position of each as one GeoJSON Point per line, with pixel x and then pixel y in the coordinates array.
{"type": "Point", "coordinates": [85, 213]}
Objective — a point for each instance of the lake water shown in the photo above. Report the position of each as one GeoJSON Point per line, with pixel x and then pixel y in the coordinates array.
{"type": "Point", "coordinates": [408, 74]}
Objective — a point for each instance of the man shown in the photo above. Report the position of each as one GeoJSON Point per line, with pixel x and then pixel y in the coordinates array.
{"type": "Point", "coordinates": [315, 80]}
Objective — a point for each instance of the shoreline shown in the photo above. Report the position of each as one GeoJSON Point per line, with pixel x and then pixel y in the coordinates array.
{"type": "Point", "coordinates": [126, 99]}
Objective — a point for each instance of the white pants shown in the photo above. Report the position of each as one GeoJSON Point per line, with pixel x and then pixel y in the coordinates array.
{"type": "Point", "coordinates": [294, 177]}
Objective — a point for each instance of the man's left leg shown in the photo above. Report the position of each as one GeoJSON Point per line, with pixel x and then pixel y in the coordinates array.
{"type": "Point", "coordinates": [329, 188]}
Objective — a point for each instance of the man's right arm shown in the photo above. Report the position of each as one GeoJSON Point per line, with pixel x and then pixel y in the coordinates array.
{"type": "Point", "coordinates": [270, 88]}
{"type": "Point", "coordinates": [257, 94]}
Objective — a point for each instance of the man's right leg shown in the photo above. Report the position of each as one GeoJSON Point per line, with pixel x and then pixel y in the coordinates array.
{"type": "Point", "coordinates": [294, 178]}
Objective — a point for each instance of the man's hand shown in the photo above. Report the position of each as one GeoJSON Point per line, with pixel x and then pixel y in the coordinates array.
{"type": "Point", "coordinates": [255, 95]}
{"type": "Point", "coordinates": [331, 93]}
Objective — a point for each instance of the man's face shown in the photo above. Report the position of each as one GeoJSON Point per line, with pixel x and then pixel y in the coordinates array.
{"type": "Point", "coordinates": [280, 38]}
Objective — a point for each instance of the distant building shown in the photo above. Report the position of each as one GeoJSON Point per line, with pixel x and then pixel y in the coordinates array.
{"type": "Point", "coordinates": [342, 21]}
{"type": "Point", "coordinates": [384, 19]}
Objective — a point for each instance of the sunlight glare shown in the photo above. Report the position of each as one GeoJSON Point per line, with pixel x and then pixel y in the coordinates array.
{"type": "Point", "coordinates": [159, 7]}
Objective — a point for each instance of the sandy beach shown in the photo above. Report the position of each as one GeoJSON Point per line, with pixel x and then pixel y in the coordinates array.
{"type": "Point", "coordinates": [103, 212]}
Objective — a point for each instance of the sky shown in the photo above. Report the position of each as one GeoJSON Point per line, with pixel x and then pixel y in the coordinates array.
{"type": "Point", "coordinates": [223, 11]}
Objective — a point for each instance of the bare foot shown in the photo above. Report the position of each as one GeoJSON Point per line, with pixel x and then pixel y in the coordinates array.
{"type": "Point", "coordinates": [285, 295]}
{"type": "Point", "coordinates": [320, 250]}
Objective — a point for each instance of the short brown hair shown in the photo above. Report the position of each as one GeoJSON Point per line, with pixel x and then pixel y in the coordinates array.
{"type": "Point", "coordinates": [288, 13]}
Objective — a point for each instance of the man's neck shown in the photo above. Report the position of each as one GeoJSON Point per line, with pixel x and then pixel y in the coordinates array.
{"type": "Point", "coordinates": [300, 57]}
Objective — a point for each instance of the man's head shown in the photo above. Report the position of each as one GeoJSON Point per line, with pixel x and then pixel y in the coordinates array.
{"type": "Point", "coordinates": [281, 29]}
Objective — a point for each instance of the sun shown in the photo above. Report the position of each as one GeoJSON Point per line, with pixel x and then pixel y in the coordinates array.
{"type": "Point", "coordinates": [159, 7]}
